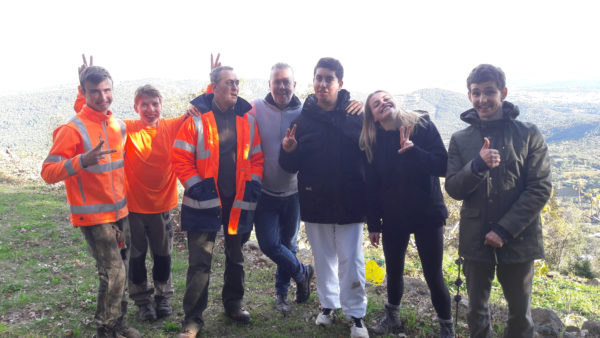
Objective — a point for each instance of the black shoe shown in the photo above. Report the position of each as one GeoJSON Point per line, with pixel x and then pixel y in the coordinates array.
{"type": "Point", "coordinates": [239, 315]}
{"type": "Point", "coordinates": [147, 312]}
{"type": "Point", "coordinates": [163, 306]}
{"type": "Point", "coordinates": [281, 304]}
{"type": "Point", "coordinates": [303, 287]}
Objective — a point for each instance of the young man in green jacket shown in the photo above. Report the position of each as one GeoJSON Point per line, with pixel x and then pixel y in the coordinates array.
{"type": "Point", "coordinates": [499, 168]}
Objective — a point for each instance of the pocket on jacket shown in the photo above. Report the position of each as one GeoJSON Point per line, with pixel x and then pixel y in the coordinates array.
{"type": "Point", "coordinates": [469, 212]}
{"type": "Point", "coordinates": [203, 191]}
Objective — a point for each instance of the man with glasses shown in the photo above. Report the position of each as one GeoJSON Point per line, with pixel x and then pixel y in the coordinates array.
{"type": "Point", "coordinates": [218, 158]}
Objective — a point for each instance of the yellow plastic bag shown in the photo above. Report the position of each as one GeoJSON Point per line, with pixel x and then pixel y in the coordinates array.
{"type": "Point", "coordinates": [375, 273]}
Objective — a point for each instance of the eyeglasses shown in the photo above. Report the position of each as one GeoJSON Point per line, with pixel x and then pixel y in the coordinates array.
{"type": "Point", "coordinates": [232, 83]}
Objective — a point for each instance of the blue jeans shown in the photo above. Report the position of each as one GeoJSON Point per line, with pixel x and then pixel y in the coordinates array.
{"type": "Point", "coordinates": [277, 220]}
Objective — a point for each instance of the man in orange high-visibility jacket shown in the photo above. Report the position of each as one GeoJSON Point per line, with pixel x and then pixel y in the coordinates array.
{"type": "Point", "coordinates": [151, 190]}
{"type": "Point", "coordinates": [87, 153]}
{"type": "Point", "coordinates": [218, 158]}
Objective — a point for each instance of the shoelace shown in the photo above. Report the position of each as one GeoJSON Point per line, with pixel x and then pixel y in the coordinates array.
{"type": "Point", "coordinates": [357, 322]}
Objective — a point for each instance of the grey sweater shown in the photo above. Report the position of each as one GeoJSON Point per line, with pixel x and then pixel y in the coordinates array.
{"type": "Point", "coordinates": [272, 124]}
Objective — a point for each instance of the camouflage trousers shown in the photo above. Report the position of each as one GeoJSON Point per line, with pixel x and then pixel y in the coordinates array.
{"type": "Point", "coordinates": [109, 245]}
{"type": "Point", "coordinates": [156, 232]}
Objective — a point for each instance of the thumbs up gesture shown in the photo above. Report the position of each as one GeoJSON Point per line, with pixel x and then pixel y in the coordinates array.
{"type": "Point", "coordinates": [491, 157]}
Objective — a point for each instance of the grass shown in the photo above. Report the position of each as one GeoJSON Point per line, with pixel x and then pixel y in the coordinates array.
{"type": "Point", "coordinates": [48, 283]}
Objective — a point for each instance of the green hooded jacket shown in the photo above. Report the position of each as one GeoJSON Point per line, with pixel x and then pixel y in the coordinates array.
{"type": "Point", "coordinates": [510, 196]}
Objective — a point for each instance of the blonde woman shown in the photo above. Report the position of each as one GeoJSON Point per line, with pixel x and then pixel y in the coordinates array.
{"type": "Point", "coordinates": [406, 157]}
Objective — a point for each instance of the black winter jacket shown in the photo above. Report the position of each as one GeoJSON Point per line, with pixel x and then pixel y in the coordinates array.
{"type": "Point", "coordinates": [330, 165]}
{"type": "Point", "coordinates": [404, 189]}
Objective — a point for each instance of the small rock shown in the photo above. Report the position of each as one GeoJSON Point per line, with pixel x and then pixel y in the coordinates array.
{"type": "Point", "coordinates": [572, 329]}
{"type": "Point", "coordinates": [547, 322]}
{"type": "Point", "coordinates": [252, 245]}
{"type": "Point", "coordinates": [593, 328]}
{"type": "Point", "coordinates": [593, 282]}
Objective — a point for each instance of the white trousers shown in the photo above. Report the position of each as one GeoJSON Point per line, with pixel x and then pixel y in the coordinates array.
{"type": "Point", "coordinates": [340, 266]}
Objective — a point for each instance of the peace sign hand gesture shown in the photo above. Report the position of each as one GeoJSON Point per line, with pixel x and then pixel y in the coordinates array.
{"type": "Point", "coordinates": [405, 143]}
{"type": "Point", "coordinates": [95, 155]}
{"type": "Point", "coordinates": [85, 64]}
{"type": "Point", "coordinates": [289, 142]}
{"type": "Point", "coordinates": [214, 63]}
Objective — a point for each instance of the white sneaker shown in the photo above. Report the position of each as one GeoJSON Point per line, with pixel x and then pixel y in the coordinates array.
{"type": "Point", "coordinates": [325, 317]}
{"type": "Point", "coordinates": [358, 328]}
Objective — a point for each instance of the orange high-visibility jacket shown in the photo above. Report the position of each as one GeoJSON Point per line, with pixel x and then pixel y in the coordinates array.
{"type": "Point", "coordinates": [151, 184]}
{"type": "Point", "coordinates": [95, 194]}
{"type": "Point", "coordinates": [195, 159]}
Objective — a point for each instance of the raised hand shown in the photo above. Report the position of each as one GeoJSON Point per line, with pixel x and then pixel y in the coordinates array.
{"type": "Point", "coordinates": [354, 108]}
{"type": "Point", "coordinates": [95, 155]}
{"type": "Point", "coordinates": [85, 64]}
{"type": "Point", "coordinates": [215, 63]}
{"type": "Point", "coordinates": [289, 142]}
{"type": "Point", "coordinates": [491, 157]}
{"type": "Point", "coordinates": [405, 143]}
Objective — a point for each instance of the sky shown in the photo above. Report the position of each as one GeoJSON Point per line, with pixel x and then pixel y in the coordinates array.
{"type": "Point", "coordinates": [398, 46]}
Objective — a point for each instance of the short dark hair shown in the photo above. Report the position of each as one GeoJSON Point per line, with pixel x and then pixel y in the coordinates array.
{"type": "Point", "coordinates": [215, 74]}
{"type": "Point", "coordinates": [331, 64]}
{"type": "Point", "coordinates": [93, 74]}
{"type": "Point", "coordinates": [486, 72]}
{"type": "Point", "coordinates": [148, 90]}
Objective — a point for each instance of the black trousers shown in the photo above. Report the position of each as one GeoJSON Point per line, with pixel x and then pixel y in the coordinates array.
{"type": "Point", "coordinates": [430, 245]}
{"type": "Point", "coordinates": [200, 247]}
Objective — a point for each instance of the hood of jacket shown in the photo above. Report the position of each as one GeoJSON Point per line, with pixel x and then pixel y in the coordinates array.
{"type": "Point", "coordinates": [204, 104]}
{"type": "Point", "coordinates": [294, 102]}
{"type": "Point", "coordinates": [509, 111]}
{"type": "Point", "coordinates": [311, 108]}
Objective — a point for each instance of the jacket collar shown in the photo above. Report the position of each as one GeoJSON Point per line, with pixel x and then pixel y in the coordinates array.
{"type": "Point", "coordinates": [93, 115]}
{"type": "Point", "coordinates": [311, 108]}
{"type": "Point", "coordinates": [204, 104]}
{"type": "Point", "coordinates": [294, 103]}
{"type": "Point", "coordinates": [509, 111]}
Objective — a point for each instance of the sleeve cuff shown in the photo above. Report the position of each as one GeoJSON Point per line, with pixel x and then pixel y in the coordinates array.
{"type": "Point", "coordinates": [501, 232]}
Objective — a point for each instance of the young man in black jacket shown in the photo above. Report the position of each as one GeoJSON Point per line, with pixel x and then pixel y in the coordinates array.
{"type": "Point", "coordinates": [322, 147]}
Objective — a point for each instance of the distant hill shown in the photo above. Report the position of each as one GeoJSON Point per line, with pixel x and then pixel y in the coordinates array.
{"type": "Point", "coordinates": [565, 113]}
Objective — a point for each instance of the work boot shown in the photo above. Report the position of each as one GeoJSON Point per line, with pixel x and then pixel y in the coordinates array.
{"type": "Point", "coordinates": [163, 306]}
{"type": "Point", "coordinates": [446, 328]}
{"type": "Point", "coordinates": [358, 328]}
{"type": "Point", "coordinates": [239, 315]}
{"type": "Point", "coordinates": [147, 312]}
{"type": "Point", "coordinates": [104, 332]}
{"type": "Point", "coordinates": [190, 330]}
{"type": "Point", "coordinates": [390, 323]}
{"type": "Point", "coordinates": [127, 331]}
{"type": "Point", "coordinates": [281, 304]}
{"type": "Point", "coordinates": [303, 287]}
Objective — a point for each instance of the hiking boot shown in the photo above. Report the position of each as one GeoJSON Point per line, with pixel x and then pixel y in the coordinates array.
{"type": "Point", "coordinates": [303, 287]}
{"type": "Point", "coordinates": [190, 330]}
{"type": "Point", "coordinates": [446, 328]}
{"type": "Point", "coordinates": [104, 332]}
{"type": "Point", "coordinates": [281, 304]}
{"type": "Point", "coordinates": [325, 317]}
{"type": "Point", "coordinates": [163, 306]}
{"type": "Point", "coordinates": [128, 332]}
{"type": "Point", "coordinates": [358, 328]}
{"type": "Point", "coordinates": [390, 323]}
{"type": "Point", "coordinates": [147, 312]}
{"type": "Point", "coordinates": [239, 315]}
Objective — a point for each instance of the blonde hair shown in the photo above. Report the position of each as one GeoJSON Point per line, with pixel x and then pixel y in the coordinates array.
{"type": "Point", "coordinates": [368, 133]}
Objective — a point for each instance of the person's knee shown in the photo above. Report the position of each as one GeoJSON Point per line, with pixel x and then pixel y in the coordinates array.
{"type": "Point", "coordinates": [162, 268]}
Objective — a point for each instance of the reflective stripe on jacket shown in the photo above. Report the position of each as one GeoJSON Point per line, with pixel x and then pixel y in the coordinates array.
{"type": "Point", "coordinates": [95, 194]}
{"type": "Point", "coordinates": [196, 163]}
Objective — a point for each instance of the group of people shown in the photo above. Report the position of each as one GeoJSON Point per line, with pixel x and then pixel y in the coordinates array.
{"type": "Point", "coordinates": [275, 161]}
